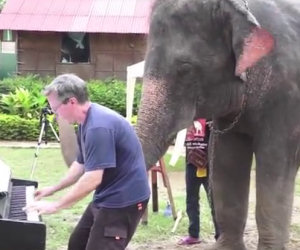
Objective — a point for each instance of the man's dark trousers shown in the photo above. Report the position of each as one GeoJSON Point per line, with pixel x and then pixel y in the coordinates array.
{"type": "Point", "coordinates": [193, 184]}
{"type": "Point", "coordinates": [106, 228]}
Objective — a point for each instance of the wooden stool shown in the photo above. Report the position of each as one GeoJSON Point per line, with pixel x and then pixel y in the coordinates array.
{"type": "Point", "coordinates": [160, 167]}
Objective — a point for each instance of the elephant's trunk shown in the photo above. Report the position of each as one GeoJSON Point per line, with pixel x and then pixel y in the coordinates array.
{"type": "Point", "coordinates": [157, 120]}
{"type": "Point", "coordinates": [68, 141]}
{"type": "Point", "coordinates": [150, 119]}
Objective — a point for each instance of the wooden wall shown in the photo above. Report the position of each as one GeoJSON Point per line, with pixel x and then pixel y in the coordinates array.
{"type": "Point", "coordinates": [110, 54]}
{"type": "Point", "coordinates": [38, 52]}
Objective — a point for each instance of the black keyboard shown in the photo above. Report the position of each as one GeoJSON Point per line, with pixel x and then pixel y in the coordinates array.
{"type": "Point", "coordinates": [17, 202]}
{"type": "Point", "coordinates": [19, 230]}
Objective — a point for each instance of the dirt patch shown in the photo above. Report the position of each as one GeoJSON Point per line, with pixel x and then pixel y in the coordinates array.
{"type": "Point", "coordinates": [250, 235]}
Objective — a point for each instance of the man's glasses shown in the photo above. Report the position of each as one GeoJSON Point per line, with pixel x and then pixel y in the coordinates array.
{"type": "Point", "coordinates": [54, 110]}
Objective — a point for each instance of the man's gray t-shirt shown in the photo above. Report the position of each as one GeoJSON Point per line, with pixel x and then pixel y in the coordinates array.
{"type": "Point", "coordinates": [107, 141]}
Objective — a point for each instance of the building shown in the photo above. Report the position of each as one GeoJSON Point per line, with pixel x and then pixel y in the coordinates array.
{"type": "Point", "coordinates": [91, 38]}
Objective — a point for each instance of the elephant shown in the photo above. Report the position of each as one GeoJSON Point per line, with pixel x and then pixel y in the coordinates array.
{"type": "Point", "coordinates": [236, 62]}
{"type": "Point", "coordinates": [68, 141]}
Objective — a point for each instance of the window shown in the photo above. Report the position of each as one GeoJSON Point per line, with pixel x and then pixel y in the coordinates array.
{"type": "Point", "coordinates": [75, 48]}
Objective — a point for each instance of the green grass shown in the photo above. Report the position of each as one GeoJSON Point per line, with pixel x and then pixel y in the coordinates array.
{"type": "Point", "coordinates": [159, 227]}
{"type": "Point", "coordinates": [179, 166]}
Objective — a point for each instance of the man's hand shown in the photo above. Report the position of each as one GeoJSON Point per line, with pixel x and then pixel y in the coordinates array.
{"type": "Point", "coordinates": [44, 192]}
{"type": "Point", "coordinates": [42, 207]}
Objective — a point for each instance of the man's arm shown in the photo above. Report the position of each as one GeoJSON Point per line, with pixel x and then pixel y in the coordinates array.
{"type": "Point", "coordinates": [86, 184]}
{"type": "Point", "coordinates": [75, 171]}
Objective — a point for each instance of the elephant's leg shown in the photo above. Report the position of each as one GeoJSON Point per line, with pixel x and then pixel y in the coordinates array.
{"type": "Point", "coordinates": [275, 177]}
{"type": "Point", "coordinates": [232, 158]}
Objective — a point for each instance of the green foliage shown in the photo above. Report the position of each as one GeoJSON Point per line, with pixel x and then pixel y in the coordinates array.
{"type": "Point", "coordinates": [113, 95]}
{"type": "Point", "coordinates": [14, 127]}
{"type": "Point", "coordinates": [33, 83]}
{"type": "Point", "coordinates": [23, 103]}
{"type": "Point", "coordinates": [22, 95]}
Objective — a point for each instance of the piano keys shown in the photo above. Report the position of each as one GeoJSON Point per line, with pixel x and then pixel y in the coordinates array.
{"type": "Point", "coordinates": [18, 230]}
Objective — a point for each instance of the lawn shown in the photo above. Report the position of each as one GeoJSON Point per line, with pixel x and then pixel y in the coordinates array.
{"type": "Point", "coordinates": [50, 167]}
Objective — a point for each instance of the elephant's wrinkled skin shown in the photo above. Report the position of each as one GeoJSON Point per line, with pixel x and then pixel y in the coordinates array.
{"type": "Point", "coordinates": [198, 53]}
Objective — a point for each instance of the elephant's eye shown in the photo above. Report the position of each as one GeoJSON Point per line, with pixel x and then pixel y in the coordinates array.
{"type": "Point", "coordinates": [184, 68]}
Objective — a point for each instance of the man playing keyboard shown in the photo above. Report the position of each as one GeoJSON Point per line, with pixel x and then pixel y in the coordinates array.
{"type": "Point", "coordinates": [110, 162]}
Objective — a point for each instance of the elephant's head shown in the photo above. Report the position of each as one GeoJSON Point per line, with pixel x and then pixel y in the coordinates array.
{"type": "Point", "coordinates": [197, 53]}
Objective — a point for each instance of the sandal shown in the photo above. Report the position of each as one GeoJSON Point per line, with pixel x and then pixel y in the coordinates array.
{"type": "Point", "coordinates": [189, 240]}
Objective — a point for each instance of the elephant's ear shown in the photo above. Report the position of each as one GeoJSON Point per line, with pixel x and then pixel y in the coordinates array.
{"type": "Point", "coordinates": [250, 41]}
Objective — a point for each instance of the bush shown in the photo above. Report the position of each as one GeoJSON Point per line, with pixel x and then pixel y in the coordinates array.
{"type": "Point", "coordinates": [113, 95]}
{"type": "Point", "coordinates": [23, 103]}
{"type": "Point", "coordinates": [33, 83]}
{"type": "Point", "coordinates": [22, 95]}
{"type": "Point", "coordinates": [14, 127]}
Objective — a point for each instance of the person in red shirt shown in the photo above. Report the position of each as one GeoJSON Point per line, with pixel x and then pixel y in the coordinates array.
{"type": "Point", "coordinates": [196, 144]}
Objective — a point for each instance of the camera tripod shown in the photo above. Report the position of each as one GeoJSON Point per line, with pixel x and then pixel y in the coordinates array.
{"type": "Point", "coordinates": [44, 124]}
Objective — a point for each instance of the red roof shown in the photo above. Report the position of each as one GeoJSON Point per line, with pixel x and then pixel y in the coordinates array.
{"type": "Point", "coordinates": [106, 16]}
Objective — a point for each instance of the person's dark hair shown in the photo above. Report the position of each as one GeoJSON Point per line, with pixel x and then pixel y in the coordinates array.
{"type": "Point", "coordinates": [67, 86]}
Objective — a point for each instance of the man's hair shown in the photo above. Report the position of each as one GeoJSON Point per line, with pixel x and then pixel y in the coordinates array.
{"type": "Point", "coordinates": [67, 86]}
